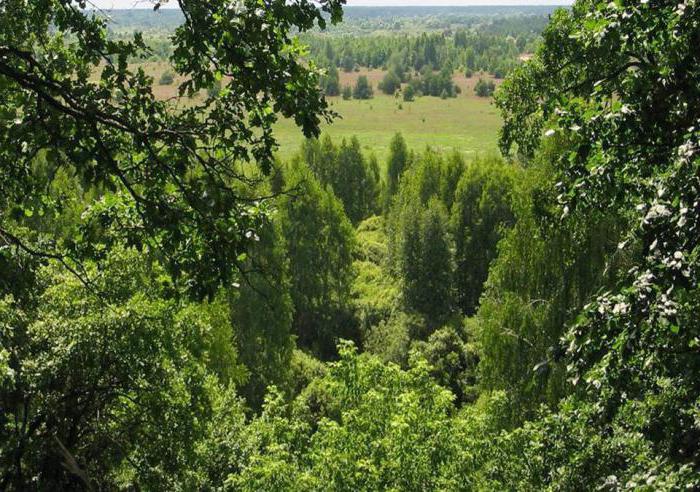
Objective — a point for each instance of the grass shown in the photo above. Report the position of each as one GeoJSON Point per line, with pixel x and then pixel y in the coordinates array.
{"type": "Point", "coordinates": [467, 123]}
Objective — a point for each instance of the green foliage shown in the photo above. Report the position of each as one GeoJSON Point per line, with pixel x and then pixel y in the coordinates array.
{"type": "Point", "coordinates": [353, 179]}
{"type": "Point", "coordinates": [261, 312]}
{"type": "Point", "coordinates": [347, 93]}
{"type": "Point", "coordinates": [396, 165]}
{"type": "Point", "coordinates": [425, 262]}
{"type": "Point", "coordinates": [153, 288]}
{"type": "Point", "coordinates": [123, 381]}
{"type": "Point", "coordinates": [166, 78]}
{"type": "Point", "coordinates": [545, 272]}
{"type": "Point", "coordinates": [626, 113]}
{"type": "Point", "coordinates": [482, 209]}
{"type": "Point", "coordinates": [330, 82]}
{"type": "Point", "coordinates": [362, 89]}
{"type": "Point", "coordinates": [484, 88]}
{"type": "Point", "coordinates": [390, 83]}
{"type": "Point", "coordinates": [390, 338]}
{"type": "Point", "coordinates": [172, 175]}
{"type": "Point", "coordinates": [374, 292]}
{"type": "Point", "coordinates": [409, 93]}
{"type": "Point", "coordinates": [320, 243]}
{"type": "Point", "coordinates": [431, 83]}
{"type": "Point", "coordinates": [453, 360]}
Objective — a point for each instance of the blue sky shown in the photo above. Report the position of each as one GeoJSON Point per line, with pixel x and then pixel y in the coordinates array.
{"type": "Point", "coordinates": [126, 4]}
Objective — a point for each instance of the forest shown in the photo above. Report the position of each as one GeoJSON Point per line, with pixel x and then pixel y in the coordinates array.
{"type": "Point", "coordinates": [187, 304]}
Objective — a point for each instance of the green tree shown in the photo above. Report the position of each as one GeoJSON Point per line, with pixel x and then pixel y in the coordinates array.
{"type": "Point", "coordinates": [626, 111]}
{"type": "Point", "coordinates": [261, 313]}
{"type": "Point", "coordinates": [354, 183]}
{"type": "Point", "coordinates": [170, 173]}
{"type": "Point", "coordinates": [425, 263]}
{"type": "Point", "coordinates": [362, 89]}
{"type": "Point", "coordinates": [482, 210]}
{"type": "Point", "coordinates": [409, 94]}
{"type": "Point", "coordinates": [545, 272]}
{"type": "Point", "coordinates": [390, 83]}
{"type": "Point", "coordinates": [320, 242]}
{"type": "Point", "coordinates": [112, 389]}
{"type": "Point", "coordinates": [484, 88]}
{"type": "Point", "coordinates": [331, 82]}
{"type": "Point", "coordinates": [397, 163]}
{"type": "Point", "coordinates": [353, 179]}
{"type": "Point", "coordinates": [347, 93]}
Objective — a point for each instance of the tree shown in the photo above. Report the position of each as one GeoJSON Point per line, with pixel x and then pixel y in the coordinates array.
{"type": "Point", "coordinates": [409, 94]}
{"type": "Point", "coordinates": [626, 113]}
{"type": "Point", "coordinates": [362, 89]}
{"type": "Point", "coordinates": [425, 263]}
{"type": "Point", "coordinates": [396, 165]}
{"type": "Point", "coordinates": [320, 241]}
{"type": "Point", "coordinates": [390, 83]}
{"type": "Point", "coordinates": [347, 93]}
{"type": "Point", "coordinates": [261, 314]}
{"type": "Point", "coordinates": [331, 82]}
{"type": "Point", "coordinates": [482, 211]}
{"type": "Point", "coordinates": [484, 88]}
{"type": "Point", "coordinates": [348, 62]}
{"type": "Point", "coordinates": [109, 389]}
{"type": "Point", "coordinates": [353, 180]}
{"type": "Point", "coordinates": [169, 173]}
{"type": "Point", "coordinates": [355, 185]}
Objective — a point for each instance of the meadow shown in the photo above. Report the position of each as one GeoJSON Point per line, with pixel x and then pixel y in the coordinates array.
{"type": "Point", "coordinates": [467, 123]}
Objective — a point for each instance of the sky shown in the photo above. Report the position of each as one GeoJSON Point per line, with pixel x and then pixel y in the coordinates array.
{"type": "Point", "coordinates": [127, 4]}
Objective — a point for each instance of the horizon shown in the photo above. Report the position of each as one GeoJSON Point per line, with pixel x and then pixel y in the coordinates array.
{"type": "Point", "coordinates": [147, 4]}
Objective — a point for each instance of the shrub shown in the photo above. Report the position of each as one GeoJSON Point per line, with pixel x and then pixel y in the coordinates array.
{"type": "Point", "coordinates": [484, 88]}
{"type": "Point", "coordinates": [166, 78]}
{"type": "Point", "coordinates": [362, 89]}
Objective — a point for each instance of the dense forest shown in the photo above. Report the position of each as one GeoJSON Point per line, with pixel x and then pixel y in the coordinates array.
{"type": "Point", "coordinates": [181, 309]}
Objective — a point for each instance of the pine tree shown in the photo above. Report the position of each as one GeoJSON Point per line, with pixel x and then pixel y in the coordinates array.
{"type": "Point", "coordinates": [396, 165]}
{"type": "Point", "coordinates": [362, 89]}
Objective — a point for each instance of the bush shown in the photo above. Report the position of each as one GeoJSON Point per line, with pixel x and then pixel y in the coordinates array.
{"type": "Point", "coordinates": [362, 89]}
{"type": "Point", "coordinates": [409, 94]}
{"type": "Point", "coordinates": [166, 78]}
{"type": "Point", "coordinates": [390, 84]}
{"type": "Point", "coordinates": [484, 88]}
{"type": "Point", "coordinates": [347, 93]}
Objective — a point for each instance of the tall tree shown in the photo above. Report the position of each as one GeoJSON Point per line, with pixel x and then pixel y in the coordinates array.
{"type": "Point", "coordinates": [425, 261]}
{"type": "Point", "coordinates": [362, 88]}
{"type": "Point", "coordinates": [627, 109]}
{"type": "Point", "coordinates": [261, 314]}
{"type": "Point", "coordinates": [320, 243]}
{"type": "Point", "coordinates": [481, 211]}
{"type": "Point", "coordinates": [396, 164]}
{"type": "Point", "coordinates": [171, 173]}
{"type": "Point", "coordinates": [355, 184]}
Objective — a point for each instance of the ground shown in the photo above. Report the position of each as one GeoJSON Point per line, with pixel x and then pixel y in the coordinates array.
{"type": "Point", "coordinates": [467, 123]}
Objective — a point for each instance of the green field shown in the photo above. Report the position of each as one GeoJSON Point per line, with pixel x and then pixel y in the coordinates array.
{"type": "Point", "coordinates": [466, 123]}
